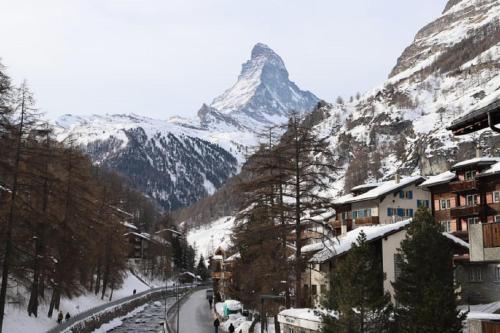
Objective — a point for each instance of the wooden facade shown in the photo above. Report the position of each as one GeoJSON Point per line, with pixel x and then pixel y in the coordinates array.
{"type": "Point", "coordinates": [468, 199]}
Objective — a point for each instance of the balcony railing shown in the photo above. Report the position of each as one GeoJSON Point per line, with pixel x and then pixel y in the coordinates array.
{"type": "Point", "coordinates": [366, 220]}
{"type": "Point", "coordinates": [462, 211]}
{"type": "Point", "coordinates": [463, 185]}
{"type": "Point", "coordinates": [338, 223]}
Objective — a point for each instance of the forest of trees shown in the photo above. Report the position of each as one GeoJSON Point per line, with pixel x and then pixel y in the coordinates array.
{"type": "Point", "coordinates": [61, 217]}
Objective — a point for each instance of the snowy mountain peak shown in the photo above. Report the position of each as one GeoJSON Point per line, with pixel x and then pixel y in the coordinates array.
{"type": "Point", "coordinates": [263, 91]}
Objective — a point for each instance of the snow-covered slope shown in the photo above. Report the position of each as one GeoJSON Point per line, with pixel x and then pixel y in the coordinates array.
{"type": "Point", "coordinates": [180, 160]}
{"type": "Point", "coordinates": [451, 68]}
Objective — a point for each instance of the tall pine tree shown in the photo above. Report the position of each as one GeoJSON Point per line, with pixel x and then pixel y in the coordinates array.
{"type": "Point", "coordinates": [425, 292]}
{"type": "Point", "coordinates": [358, 295]}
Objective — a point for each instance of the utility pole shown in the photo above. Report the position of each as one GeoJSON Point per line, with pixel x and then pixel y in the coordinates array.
{"type": "Point", "coordinates": [178, 308]}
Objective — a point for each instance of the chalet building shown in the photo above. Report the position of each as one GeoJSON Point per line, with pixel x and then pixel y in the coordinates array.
{"type": "Point", "coordinates": [380, 203]}
{"type": "Point", "coordinates": [220, 267]}
{"type": "Point", "coordinates": [322, 257]}
{"type": "Point", "coordinates": [466, 195]}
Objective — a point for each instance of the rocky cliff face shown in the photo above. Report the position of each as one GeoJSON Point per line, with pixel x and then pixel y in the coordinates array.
{"type": "Point", "coordinates": [451, 68]}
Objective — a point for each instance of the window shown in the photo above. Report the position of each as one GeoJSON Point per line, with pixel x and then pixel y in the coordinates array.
{"type": "Point", "coordinates": [445, 204]}
{"type": "Point", "coordinates": [472, 199]}
{"type": "Point", "coordinates": [473, 220]}
{"type": "Point", "coordinates": [390, 212]}
{"type": "Point", "coordinates": [446, 225]}
{"type": "Point", "coordinates": [497, 273]}
{"type": "Point", "coordinates": [423, 203]}
{"type": "Point", "coordinates": [361, 213]}
{"type": "Point", "coordinates": [470, 175]}
{"type": "Point", "coordinates": [398, 260]}
{"type": "Point", "coordinates": [496, 196]}
{"type": "Point", "coordinates": [314, 289]}
{"type": "Point", "coordinates": [406, 194]}
{"type": "Point", "coordinates": [475, 274]}
{"type": "Point", "coordinates": [497, 218]}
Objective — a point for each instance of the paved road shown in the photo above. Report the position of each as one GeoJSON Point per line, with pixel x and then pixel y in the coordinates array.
{"type": "Point", "coordinates": [196, 316]}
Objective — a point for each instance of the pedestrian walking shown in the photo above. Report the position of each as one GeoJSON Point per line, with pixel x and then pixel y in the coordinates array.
{"type": "Point", "coordinates": [67, 316]}
{"type": "Point", "coordinates": [216, 325]}
{"type": "Point", "coordinates": [210, 301]}
{"type": "Point", "coordinates": [134, 292]}
{"type": "Point", "coordinates": [231, 328]}
{"type": "Point", "coordinates": [60, 317]}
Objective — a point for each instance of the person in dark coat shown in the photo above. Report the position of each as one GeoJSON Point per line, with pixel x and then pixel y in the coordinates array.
{"type": "Point", "coordinates": [231, 328]}
{"type": "Point", "coordinates": [67, 316]}
{"type": "Point", "coordinates": [134, 292]}
{"type": "Point", "coordinates": [210, 301]}
{"type": "Point", "coordinates": [60, 317]}
{"type": "Point", "coordinates": [216, 325]}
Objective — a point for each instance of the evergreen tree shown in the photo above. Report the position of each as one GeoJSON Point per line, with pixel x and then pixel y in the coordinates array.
{"type": "Point", "coordinates": [425, 292]}
{"type": "Point", "coordinates": [358, 295]}
{"type": "Point", "coordinates": [202, 270]}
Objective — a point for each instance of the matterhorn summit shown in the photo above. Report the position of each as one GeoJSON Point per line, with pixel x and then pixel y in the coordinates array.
{"type": "Point", "coordinates": [263, 92]}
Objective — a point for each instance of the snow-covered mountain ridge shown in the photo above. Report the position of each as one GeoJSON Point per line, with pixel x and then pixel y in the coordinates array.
{"type": "Point", "coordinates": [180, 160]}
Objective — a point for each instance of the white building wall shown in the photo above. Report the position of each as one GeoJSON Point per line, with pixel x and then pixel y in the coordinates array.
{"type": "Point", "coordinates": [390, 246]}
{"type": "Point", "coordinates": [394, 201]}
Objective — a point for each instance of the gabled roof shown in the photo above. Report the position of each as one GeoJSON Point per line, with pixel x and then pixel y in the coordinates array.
{"type": "Point", "coordinates": [343, 243]}
{"type": "Point", "coordinates": [442, 178]}
{"type": "Point", "coordinates": [381, 190]}
{"type": "Point", "coordinates": [479, 161]}
{"type": "Point", "coordinates": [478, 119]}
{"type": "Point", "coordinates": [494, 169]}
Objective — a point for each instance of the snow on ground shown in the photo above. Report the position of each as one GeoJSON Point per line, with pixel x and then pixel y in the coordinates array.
{"type": "Point", "coordinates": [17, 319]}
{"type": "Point", "coordinates": [210, 237]}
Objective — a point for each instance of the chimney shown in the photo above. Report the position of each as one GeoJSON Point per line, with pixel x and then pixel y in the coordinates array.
{"type": "Point", "coordinates": [397, 178]}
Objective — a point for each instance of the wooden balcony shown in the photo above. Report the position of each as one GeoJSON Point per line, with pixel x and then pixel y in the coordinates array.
{"type": "Point", "coordinates": [463, 185]}
{"type": "Point", "coordinates": [337, 224]}
{"type": "Point", "coordinates": [463, 211]}
{"type": "Point", "coordinates": [493, 209]}
{"type": "Point", "coordinates": [371, 220]}
{"type": "Point", "coordinates": [221, 275]}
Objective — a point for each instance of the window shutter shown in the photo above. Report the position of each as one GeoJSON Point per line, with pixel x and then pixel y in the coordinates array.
{"type": "Point", "coordinates": [427, 204]}
{"type": "Point", "coordinates": [401, 195]}
{"type": "Point", "coordinates": [411, 212]}
{"type": "Point", "coordinates": [401, 212]}
{"type": "Point", "coordinates": [389, 211]}
{"type": "Point", "coordinates": [410, 194]}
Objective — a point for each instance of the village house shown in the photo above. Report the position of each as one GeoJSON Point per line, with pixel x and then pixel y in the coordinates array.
{"type": "Point", "coordinates": [380, 203]}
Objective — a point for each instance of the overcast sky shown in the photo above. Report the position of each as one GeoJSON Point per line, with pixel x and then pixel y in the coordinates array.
{"type": "Point", "coordinates": [166, 57]}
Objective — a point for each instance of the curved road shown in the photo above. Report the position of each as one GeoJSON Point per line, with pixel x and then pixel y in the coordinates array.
{"type": "Point", "coordinates": [196, 315]}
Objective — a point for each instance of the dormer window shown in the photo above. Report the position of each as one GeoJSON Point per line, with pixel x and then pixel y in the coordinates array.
{"type": "Point", "coordinates": [470, 175]}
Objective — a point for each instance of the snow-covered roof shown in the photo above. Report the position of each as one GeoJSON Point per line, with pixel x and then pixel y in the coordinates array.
{"type": "Point", "coordinates": [444, 177]}
{"type": "Point", "coordinates": [383, 189]}
{"type": "Point", "coordinates": [234, 257]}
{"type": "Point", "coordinates": [343, 243]}
{"type": "Point", "coordinates": [138, 235]}
{"type": "Point", "coordinates": [482, 311]}
{"type": "Point", "coordinates": [456, 240]}
{"type": "Point", "coordinates": [130, 225]}
{"type": "Point", "coordinates": [304, 314]}
{"type": "Point", "coordinates": [365, 186]}
{"type": "Point", "coordinates": [343, 199]}
{"type": "Point", "coordinates": [495, 168]}
{"type": "Point", "coordinates": [217, 257]}
{"type": "Point", "coordinates": [477, 160]}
